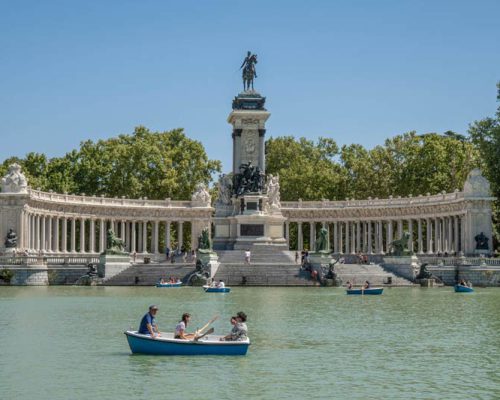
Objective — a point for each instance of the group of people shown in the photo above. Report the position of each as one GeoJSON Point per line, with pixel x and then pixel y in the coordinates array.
{"type": "Point", "coordinates": [149, 326]}
{"type": "Point", "coordinates": [217, 284]}
{"type": "Point", "coordinates": [366, 285]}
{"type": "Point", "coordinates": [170, 279]}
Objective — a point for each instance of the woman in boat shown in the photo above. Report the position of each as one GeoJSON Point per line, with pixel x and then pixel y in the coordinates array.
{"type": "Point", "coordinates": [367, 285]}
{"type": "Point", "coordinates": [349, 285]}
{"type": "Point", "coordinates": [240, 330]}
{"type": "Point", "coordinates": [180, 329]}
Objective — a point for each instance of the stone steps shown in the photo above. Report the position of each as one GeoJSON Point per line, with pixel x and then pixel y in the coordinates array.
{"type": "Point", "coordinates": [375, 274]}
{"type": "Point", "coordinates": [149, 274]}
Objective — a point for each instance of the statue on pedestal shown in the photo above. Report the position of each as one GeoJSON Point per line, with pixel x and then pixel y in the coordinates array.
{"type": "Point", "coordinates": [399, 247]}
{"type": "Point", "coordinates": [201, 195]}
{"type": "Point", "coordinates": [249, 180]}
{"type": "Point", "coordinates": [481, 241]}
{"type": "Point", "coordinates": [14, 181]}
{"type": "Point", "coordinates": [249, 72]}
{"type": "Point", "coordinates": [114, 245]}
{"type": "Point", "coordinates": [225, 187]}
{"type": "Point", "coordinates": [273, 191]}
{"type": "Point", "coordinates": [11, 240]}
{"type": "Point", "coordinates": [322, 244]}
{"type": "Point", "coordinates": [204, 240]}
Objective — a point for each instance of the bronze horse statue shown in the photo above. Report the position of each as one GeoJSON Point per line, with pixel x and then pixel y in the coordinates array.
{"type": "Point", "coordinates": [249, 72]}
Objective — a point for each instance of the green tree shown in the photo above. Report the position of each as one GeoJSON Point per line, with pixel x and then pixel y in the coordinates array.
{"type": "Point", "coordinates": [485, 134]}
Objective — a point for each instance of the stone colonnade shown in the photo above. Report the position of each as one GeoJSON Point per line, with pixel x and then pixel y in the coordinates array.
{"type": "Point", "coordinates": [427, 235]}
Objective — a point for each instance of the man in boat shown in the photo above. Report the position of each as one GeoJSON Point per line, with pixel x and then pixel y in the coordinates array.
{"type": "Point", "coordinates": [367, 285]}
{"type": "Point", "coordinates": [148, 323]}
{"type": "Point", "coordinates": [240, 330]}
{"type": "Point", "coordinates": [221, 284]}
{"type": "Point", "coordinates": [180, 329]}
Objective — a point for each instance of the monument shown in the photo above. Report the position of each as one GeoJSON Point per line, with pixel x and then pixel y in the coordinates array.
{"type": "Point", "coordinates": [248, 208]}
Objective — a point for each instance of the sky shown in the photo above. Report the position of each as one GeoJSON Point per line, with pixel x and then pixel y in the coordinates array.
{"type": "Point", "coordinates": [356, 71]}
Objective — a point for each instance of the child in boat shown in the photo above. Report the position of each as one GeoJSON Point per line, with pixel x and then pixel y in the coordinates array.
{"type": "Point", "coordinates": [180, 329]}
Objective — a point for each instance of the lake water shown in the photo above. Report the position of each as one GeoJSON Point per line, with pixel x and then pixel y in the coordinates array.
{"type": "Point", "coordinates": [316, 343]}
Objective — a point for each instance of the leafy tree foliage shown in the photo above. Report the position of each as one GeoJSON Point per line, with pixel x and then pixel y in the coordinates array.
{"type": "Point", "coordinates": [149, 164]}
{"type": "Point", "coordinates": [485, 134]}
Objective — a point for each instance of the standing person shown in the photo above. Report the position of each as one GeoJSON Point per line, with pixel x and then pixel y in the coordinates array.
{"type": "Point", "coordinates": [180, 329]}
{"type": "Point", "coordinates": [248, 254]}
{"type": "Point", "coordinates": [296, 257]}
{"type": "Point", "coordinates": [148, 323]}
{"type": "Point", "coordinates": [167, 252]}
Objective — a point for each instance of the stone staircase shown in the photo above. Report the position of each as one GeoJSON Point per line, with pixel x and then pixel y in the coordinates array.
{"type": "Point", "coordinates": [150, 274]}
{"type": "Point", "coordinates": [375, 274]}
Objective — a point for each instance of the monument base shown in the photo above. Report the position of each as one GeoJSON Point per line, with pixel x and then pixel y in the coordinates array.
{"type": "Point", "coordinates": [404, 266]}
{"type": "Point", "coordinates": [112, 264]}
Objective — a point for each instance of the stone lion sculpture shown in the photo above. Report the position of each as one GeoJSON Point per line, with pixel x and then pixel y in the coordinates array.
{"type": "Point", "coordinates": [399, 247]}
{"type": "Point", "coordinates": [322, 244]}
{"type": "Point", "coordinates": [114, 245]}
{"type": "Point", "coordinates": [14, 181]}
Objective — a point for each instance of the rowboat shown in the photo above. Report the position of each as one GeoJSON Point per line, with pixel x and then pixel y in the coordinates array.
{"type": "Point", "coordinates": [168, 346]}
{"type": "Point", "coordinates": [209, 289]}
{"type": "Point", "coordinates": [365, 291]}
{"type": "Point", "coordinates": [169, 285]}
{"type": "Point", "coordinates": [463, 289]}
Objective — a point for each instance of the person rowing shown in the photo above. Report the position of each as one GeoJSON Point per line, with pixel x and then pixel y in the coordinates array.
{"type": "Point", "coordinates": [180, 329]}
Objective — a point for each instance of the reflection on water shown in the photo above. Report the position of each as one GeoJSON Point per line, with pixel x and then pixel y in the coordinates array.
{"type": "Point", "coordinates": [68, 343]}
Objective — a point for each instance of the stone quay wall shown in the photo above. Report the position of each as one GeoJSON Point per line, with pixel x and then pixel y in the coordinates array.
{"type": "Point", "coordinates": [478, 275]}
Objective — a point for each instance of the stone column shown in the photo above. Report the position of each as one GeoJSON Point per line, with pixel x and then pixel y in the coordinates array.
{"type": "Point", "coordinates": [133, 238]}
{"type": "Point", "coordinates": [167, 235]}
{"type": "Point", "coordinates": [369, 242]}
{"type": "Point", "coordinates": [335, 238]}
{"type": "Point", "coordinates": [300, 237]}
{"type": "Point", "coordinates": [92, 236]}
{"type": "Point", "coordinates": [410, 230]}
{"type": "Point", "coordinates": [462, 234]}
{"type": "Point", "coordinates": [312, 238]}
{"type": "Point", "coordinates": [102, 235]}
{"type": "Point", "coordinates": [127, 236]}
{"type": "Point", "coordinates": [139, 236]}
{"type": "Point", "coordinates": [449, 246]}
{"type": "Point", "coordinates": [287, 229]}
{"type": "Point", "coordinates": [73, 235]}
{"type": "Point", "coordinates": [42, 234]}
{"type": "Point", "coordinates": [341, 244]}
{"type": "Point", "coordinates": [381, 237]}
{"type": "Point", "coordinates": [155, 237]}
{"type": "Point", "coordinates": [389, 236]}
{"type": "Point", "coordinates": [82, 235]}
{"type": "Point", "coordinates": [437, 238]}
{"type": "Point", "coordinates": [64, 235]}
{"type": "Point", "coordinates": [353, 237]}
{"type": "Point", "coordinates": [455, 234]}
{"type": "Point", "coordinates": [144, 236]}
{"type": "Point", "coordinates": [429, 236]}
{"type": "Point", "coordinates": [49, 233]}
{"type": "Point", "coordinates": [180, 234]}
{"type": "Point", "coordinates": [400, 228]}
{"type": "Point", "coordinates": [358, 237]}
{"type": "Point", "coordinates": [420, 244]}
{"type": "Point", "coordinates": [55, 242]}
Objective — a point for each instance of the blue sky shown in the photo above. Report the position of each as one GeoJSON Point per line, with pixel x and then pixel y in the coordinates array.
{"type": "Point", "coordinates": [356, 71]}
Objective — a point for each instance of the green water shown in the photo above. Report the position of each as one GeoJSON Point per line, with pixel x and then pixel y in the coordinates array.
{"type": "Point", "coordinates": [68, 343]}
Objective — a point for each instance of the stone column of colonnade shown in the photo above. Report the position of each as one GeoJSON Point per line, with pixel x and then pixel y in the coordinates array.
{"type": "Point", "coordinates": [426, 235]}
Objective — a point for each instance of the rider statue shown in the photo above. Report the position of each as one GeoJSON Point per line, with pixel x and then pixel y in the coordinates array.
{"type": "Point", "coordinates": [249, 72]}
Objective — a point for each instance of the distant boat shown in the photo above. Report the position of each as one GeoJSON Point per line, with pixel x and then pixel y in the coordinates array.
{"type": "Point", "coordinates": [210, 289]}
{"type": "Point", "coordinates": [169, 285]}
{"type": "Point", "coordinates": [365, 291]}
{"type": "Point", "coordinates": [463, 289]}
{"type": "Point", "coordinates": [168, 346]}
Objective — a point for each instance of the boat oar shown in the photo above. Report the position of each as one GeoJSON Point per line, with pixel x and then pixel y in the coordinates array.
{"type": "Point", "coordinates": [211, 330]}
{"type": "Point", "coordinates": [200, 331]}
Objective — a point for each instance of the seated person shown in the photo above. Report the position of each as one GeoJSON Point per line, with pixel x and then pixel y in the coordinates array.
{"type": "Point", "coordinates": [148, 323]}
{"type": "Point", "coordinates": [180, 329]}
{"type": "Point", "coordinates": [240, 330]}
{"type": "Point", "coordinates": [221, 285]}
{"type": "Point", "coordinates": [349, 285]}
{"type": "Point", "coordinates": [367, 285]}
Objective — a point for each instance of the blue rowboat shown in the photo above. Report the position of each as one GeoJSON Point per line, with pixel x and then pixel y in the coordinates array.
{"type": "Point", "coordinates": [166, 345]}
{"type": "Point", "coordinates": [365, 291]}
{"type": "Point", "coordinates": [169, 285]}
{"type": "Point", "coordinates": [463, 289]}
{"type": "Point", "coordinates": [209, 289]}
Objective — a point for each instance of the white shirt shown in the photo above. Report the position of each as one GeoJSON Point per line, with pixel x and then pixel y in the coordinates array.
{"type": "Point", "coordinates": [221, 284]}
{"type": "Point", "coordinates": [181, 327]}
{"type": "Point", "coordinates": [247, 254]}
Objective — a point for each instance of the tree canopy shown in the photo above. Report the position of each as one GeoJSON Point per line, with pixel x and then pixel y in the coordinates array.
{"type": "Point", "coordinates": [148, 164]}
